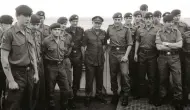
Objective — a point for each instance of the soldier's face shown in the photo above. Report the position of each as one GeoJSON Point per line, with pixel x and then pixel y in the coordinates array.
{"type": "Point", "coordinates": [35, 26]}
{"type": "Point", "coordinates": [6, 26]}
{"type": "Point", "coordinates": [23, 20]}
{"type": "Point", "coordinates": [42, 18]}
{"type": "Point", "coordinates": [168, 25]}
{"type": "Point", "coordinates": [63, 26]}
{"type": "Point", "coordinates": [56, 31]}
{"type": "Point", "coordinates": [177, 18]}
{"type": "Point", "coordinates": [96, 25]}
{"type": "Point", "coordinates": [128, 20]}
{"type": "Point", "coordinates": [157, 19]}
{"type": "Point", "coordinates": [74, 23]}
{"type": "Point", "coordinates": [117, 21]}
{"type": "Point", "coordinates": [144, 12]}
{"type": "Point", "coordinates": [138, 18]}
{"type": "Point", "coordinates": [148, 21]}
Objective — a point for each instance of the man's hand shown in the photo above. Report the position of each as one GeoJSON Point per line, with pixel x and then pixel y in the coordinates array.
{"type": "Point", "coordinates": [124, 58]}
{"type": "Point", "coordinates": [165, 43]}
{"type": "Point", "coordinates": [136, 57]}
{"type": "Point", "coordinates": [36, 78]}
{"type": "Point", "coordinates": [13, 85]}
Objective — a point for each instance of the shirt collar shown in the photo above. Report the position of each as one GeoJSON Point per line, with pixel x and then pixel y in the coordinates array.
{"type": "Point", "coordinates": [17, 28]}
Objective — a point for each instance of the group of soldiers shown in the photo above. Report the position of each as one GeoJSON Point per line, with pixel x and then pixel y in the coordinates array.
{"type": "Point", "coordinates": [152, 58]}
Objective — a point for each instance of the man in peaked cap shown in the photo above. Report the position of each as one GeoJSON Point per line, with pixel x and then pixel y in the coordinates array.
{"type": "Point", "coordinates": [39, 91]}
{"type": "Point", "coordinates": [183, 28]}
{"type": "Point", "coordinates": [144, 9]}
{"type": "Point", "coordinates": [120, 40]}
{"type": "Point", "coordinates": [146, 55]}
{"type": "Point", "coordinates": [19, 61]}
{"type": "Point", "coordinates": [94, 59]}
{"type": "Point", "coordinates": [5, 23]}
{"type": "Point", "coordinates": [54, 49]}
{"type": "Point", "coordinates": [43, 28]}
{"type": "Point", "coordinates": [168, 42]}
{"type": "Point", "coordinates": [157, 15]}
{"type": "Point", "coordinates": [76, 55]}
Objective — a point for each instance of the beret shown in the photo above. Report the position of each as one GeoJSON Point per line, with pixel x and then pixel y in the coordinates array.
{"type": "Point", "coordinates": [157, 14]}
{"type": "Point", "coordinates": [166, 13]}
{"type": "Point", "coordinates": [62, 20]}
{"type": "Point", "coordinates": [117, 15]}
{"type": "Point", "coordinates": [6, 19]}
{"type": "Point", "coordinates": [175, 12]}
{"type": "Point", "coordinates": [23, 10]}
{"type": "Point", "coordinates": [144, 7]}
{"type": "Point", "coordinates": [74, 17]}
{"type": "Point", "coordinates": [35, 19]}
{"type": "Point", "coordinates": [128, 15]}
{"type": "Point", "coordinates": [136, 13]}
{"type": "Point", "coordinates": [41, 13]}
{"type": "Point", "coordinates": [168, 18]}
{"type": "Point", "coordinates": [55, 25]}
{"type": "Point", "coordinates": [148, 15]}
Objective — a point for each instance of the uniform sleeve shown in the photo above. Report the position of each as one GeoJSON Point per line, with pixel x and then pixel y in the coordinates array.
{"type": "Point", "coordinates": [44, 47]}
{"type": "Point", "coordinates": [128, 37]}
{"type": "Point", "coordinates": [85, 39]}
{"type": "Point", "coordinates": [179, 37]}
{"type": "Point", "coordinates": [138, 35]}
{"type": "Point", "coordinates": [6, 41]}
{"type": "Point", "coordinates": [158, 39]}
{"type": "Point", "coordinates": [107, 36]}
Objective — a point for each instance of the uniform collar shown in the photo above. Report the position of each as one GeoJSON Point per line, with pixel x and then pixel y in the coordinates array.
{"type": "Point", "coordinates": [165, 30]}
{"type": "Point", "coordinates": [128, 25]}
{"type": "Point", "coordinates": [120, 27]}
{"type": "Point", "coordinates": [53, 38]}
{"type": "Point", "coordinates": [152, 26]}
{"type": "Point", "coordinates": [17, 28]}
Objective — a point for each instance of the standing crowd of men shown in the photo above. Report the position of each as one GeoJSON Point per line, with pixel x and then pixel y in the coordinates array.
{"type": "Point", "coordinates": [152, 58]}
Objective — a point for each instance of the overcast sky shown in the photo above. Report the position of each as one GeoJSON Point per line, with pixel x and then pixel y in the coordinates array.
{"type": "Point", "coordinates": [89, 8]}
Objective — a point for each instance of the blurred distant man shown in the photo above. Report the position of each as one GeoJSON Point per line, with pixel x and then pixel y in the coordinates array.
{"type": "Point", "coordinates": [157, 15]}
{"type": "Point", "coordinates": [43, 28]}
{"type": "Point", "coordinates": [138, 20]}
{"type": "Point", "coordinates": [39, 91]}
{"type": "Point", "coordinates": [76, 57]}
{"type": "Point", "coordinates": [68, 39]}
{"type": "Point", "coordinates": [144, 9]}
{"type": "Point", "coordinates": [5, 23]}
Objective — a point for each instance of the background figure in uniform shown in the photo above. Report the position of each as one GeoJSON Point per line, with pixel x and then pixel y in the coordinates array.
{"type": "Point", "coordinates": [182, 27]}
{"type": "Point", "coordinates": [147, 57]}
{"type": "Point", "coordinates": [63, 22]}
{"type": "Point", "coordinates": [138, 20]}
{"type": "Point", "coordinates": [54, 48]}
{"type": "Point", "coordinates": [43, 28]}
{"type": "Point", "coordinates": [168, 42]}
{"type": "Point", "coordinates": [121, 43]}
{"type": "Point", "coordinates": [144, 9]}
{"type": "Point", "coordinates": [19, 61]}
{"type": "Point", "coordinates": [76, 57]}
{"type": "Point", "coordinates": [132, 64]}
{"type": "Point", "coordinates": [39, 88]}
{"type": "Point", "coordinates": [94, 44]}
{"type": "Point", "coordinates": [5, 23]}
{"type": "Point", "coordinates": [157, 15]}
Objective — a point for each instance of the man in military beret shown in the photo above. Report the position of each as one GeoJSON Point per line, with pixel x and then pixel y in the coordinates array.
{"type": "Point", "coordinates": [94, 46]}
{"type": "Point", "coordinates": [157, 15]}
{"type": "Point", "coordinates": [183, 28]}
{"type": "Point", "coordinates": [76, 55]}
{"type": "Point", "coordinates": [168, 42]}
{"type": "Point", "coordinates": [39, 91]}
{"type": "Point", "coordinates": [144, 9]}
{"type": "Point", "coordinates": [54, 49]}
{"type": "Point", "coordinates": [120, 43]}
{"type": "Point", "coordinates": [67, 37]}
{"type": "Point", "coordinates": [43, 28]}
{"type": "Point", "coordinates": [5, 23]}
{"type": "Point", "coordinates": [132, 63]}
{"type": "Point", "coordinates": [138, 20]}
{"type": "Point", "coordinates": [18, 60]}
{"type": "Point", "coordinates": [146, 55]}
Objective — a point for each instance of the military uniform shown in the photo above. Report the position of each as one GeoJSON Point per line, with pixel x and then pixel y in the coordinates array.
{"type": "Point", "coordinates": [120, 39]}
{"type": "Point", "coordinates": [54, 54]}
{"type": "Point", "coordinates": [169, 63]}
{"type": "Point", "coordinates": [77, 34]}
{"type": "Point", "coordinates": [20, 46]}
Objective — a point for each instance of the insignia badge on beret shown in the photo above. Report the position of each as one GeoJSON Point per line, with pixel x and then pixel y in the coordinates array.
{"type": "Point", "coordinates": [76, 17]}
{"type": "Point", "coordinates": [41, 14]}
{"type": "Point", "coordinates": [119, 15]}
